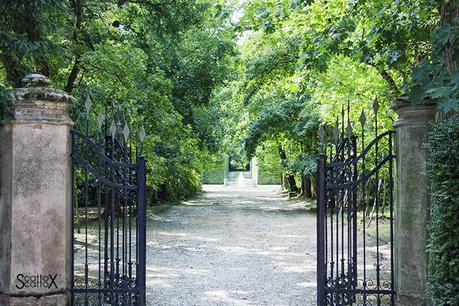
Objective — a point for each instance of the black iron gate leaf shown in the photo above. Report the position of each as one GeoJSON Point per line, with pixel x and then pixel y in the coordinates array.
{"type": "Point", "coordinates": [355, 220]}
{"type": "Point", "coordinates": [108, 217]}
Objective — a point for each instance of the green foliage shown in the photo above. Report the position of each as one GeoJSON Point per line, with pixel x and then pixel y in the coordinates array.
{"type": "Point", "coordinates": [437, 75]}
{"type": "Point", "coordinates": [214, 171]}
{"type": "Point", "coordinates": [269, 178]}
{"type": "Point", "coordinates": [305, 60]}
{"type": "Point", "coordinates": [151, 62]}
{"type": "Point", "coordinates": [5, 103]}
{"type": "Point", "coordinates": [204, 80]}
{"type": "Point", "coordinates": [269, 165]}
{"type": "Point", "coordinates": [213, 176]}
{"type": "Point", "coordinates": [274, 119]}
{"type": "Point", "coordinates": [443, 171]}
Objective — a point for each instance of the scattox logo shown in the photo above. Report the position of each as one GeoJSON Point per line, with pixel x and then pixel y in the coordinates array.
{"type": "Point", "coordinates": [36, 281]}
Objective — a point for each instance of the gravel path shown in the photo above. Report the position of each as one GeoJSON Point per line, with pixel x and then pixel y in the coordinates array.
{"type": "Point", "coordinates": [232, 247]}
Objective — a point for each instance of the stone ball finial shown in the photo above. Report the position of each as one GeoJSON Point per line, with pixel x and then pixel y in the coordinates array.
{"type": "Point", "coordinates": [36, 79]}
{"type": "Point", "coordinates": [37, 101]}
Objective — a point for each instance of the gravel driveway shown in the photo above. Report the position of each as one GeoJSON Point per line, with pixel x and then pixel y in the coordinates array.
{"type": "Point", "coordinates": [232, 247]}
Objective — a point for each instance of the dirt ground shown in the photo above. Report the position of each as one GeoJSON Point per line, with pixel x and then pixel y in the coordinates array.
{"type": "Point", "coordinates": [232, 246]}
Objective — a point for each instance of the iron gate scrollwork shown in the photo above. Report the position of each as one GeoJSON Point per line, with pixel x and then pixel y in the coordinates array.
{"type": "Point", "coordinates": [108, 215]}
{"type": "Point", "coordinates": [355, 220]}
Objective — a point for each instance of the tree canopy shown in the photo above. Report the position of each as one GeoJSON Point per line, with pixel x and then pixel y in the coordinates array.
{"type": "Point", "coordinates": [238, 77]}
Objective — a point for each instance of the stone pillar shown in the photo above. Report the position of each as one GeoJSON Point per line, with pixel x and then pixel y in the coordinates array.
{"type": "Point", "coordinates": [35, 196]}
{"type": "Point", "coordinates": [412, 201]}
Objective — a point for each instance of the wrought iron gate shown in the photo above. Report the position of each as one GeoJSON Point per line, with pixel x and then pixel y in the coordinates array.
{"type": "Point", "coordinates": [355, 220]}
{"type": "Point", "coordinates": [108, 215]}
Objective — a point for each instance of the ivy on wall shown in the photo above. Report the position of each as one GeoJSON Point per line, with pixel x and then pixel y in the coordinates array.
{"type": "Point", "coordinates": [443, 171]}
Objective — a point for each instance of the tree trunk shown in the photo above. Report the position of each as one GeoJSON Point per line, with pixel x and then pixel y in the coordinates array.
{"type": "Point", "coordinates": [78, 11]}
{"type": "Point", "coordinates": [154, 196]}
{"type": "Point", "coordinates": [162, 192]}
{"type": "Point", "coordinates": [290, 178]}
{"type": "Point", "coordinates": [313, 187]}
{"type": "Point", "coordinates": [449, 11]}
{"type": "Point", "coordinates": [307, 192]}
{"type": "Point", "coordinates": [73, 75]}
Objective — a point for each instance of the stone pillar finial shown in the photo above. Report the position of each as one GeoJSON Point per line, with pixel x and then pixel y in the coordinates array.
{"type": "Point", "coordinates": [412, 200]}
{"type": "Point", "coordinates": [36, 79]}
{"type": "Point", "coordinates": [35, 196]}
{"type": "Point", "coordinates": [36, 101]}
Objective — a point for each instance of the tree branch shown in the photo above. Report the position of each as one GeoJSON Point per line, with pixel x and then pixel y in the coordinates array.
{"type": "Point", "coordinates": [78, 10]}
{"type": "Point", "coordinates": [387, 77]}
{"type": "Point", "coordinates": [73, 75]}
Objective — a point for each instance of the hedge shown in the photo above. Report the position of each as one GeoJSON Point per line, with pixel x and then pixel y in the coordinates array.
{"type": "Point", "coordinates": [443, 228]}
{"type": "Point", "coordinates": [213, 176]}
{"type": "Point", "coordinates": [268, 178]}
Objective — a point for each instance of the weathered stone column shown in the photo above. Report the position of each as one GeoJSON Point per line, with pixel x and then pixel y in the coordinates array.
{"type": "Point", "coordinates": [412, 201]}
{"type": "Point", "coordinates": [35, 196]}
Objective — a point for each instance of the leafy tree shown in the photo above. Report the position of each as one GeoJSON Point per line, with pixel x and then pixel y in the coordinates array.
{"type": "Point", "coordinates": [150, 62]}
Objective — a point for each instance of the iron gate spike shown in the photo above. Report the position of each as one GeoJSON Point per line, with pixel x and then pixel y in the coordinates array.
{"type": "Point", "coordinates": [113, 129]}
{"type": "Point", "coordinates": [100, 120]}
{"type": "Point", "coordinates": [363, 118]}
{"type": "Point", "coordinates": [126, 132]}
{"type": "Point", "coordinates": [142, 133]}
{"type": "Point", "coordinates": [322, 133]}
{"type": "Point", "coordinates": [88, 104]}
{"type": "Point", "coordinates": [376, 105]}
{"type": "Point", "coordinates": [349, 130]}
{"type": "Point", "coordinates": [336, 133]}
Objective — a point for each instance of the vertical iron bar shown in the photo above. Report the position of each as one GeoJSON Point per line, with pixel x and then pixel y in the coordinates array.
{"type": "Point", "coordinates": [324, 219]}
{"type": "Point", "coordinates": [117, 258]}
{"type": "Point", "coordinates": [86, 200]}
{"type": "Point", "coordinates": [354, 213]}
{"type": "Point", "coordinates": [99, 200]}
{"type": "Point", "coordinates": [112, 241]}
{"type": "Point", "coordinates": [321, 276]}
{"type": "Point", "coordinates": [141, 228]}
{"type": "Point", "coordinates": [364, 202]}
{"type": "Point", "coordinates": [123, 244]}
{"type": "Point", "coordinates": [112, 224]}
{"type": "Point", "coordinates": [332, 203]}
{"type": "Point", "coordinates": [72, 217]}
{"type": "Point", "coordinates": [342, 208]}
{"type": "Point", "coordinates": [391, 207]}
{"type": "Point", "coordinates": [86, 196]}
{"type": "Point", "coordinates": [348, 202]}
{"type": "Point", "coordinates": [378, 280]}
{"type": "Point", "coordinates": [106, 239]}
{"type": "Point", "coordinates": [337, 208]}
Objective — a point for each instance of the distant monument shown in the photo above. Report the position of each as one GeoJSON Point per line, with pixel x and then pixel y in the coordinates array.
{"type": "Point", "coordinates": [247, 177]}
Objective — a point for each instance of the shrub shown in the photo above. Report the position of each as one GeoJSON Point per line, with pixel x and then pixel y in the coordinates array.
{"type": "Point", "coordinates": [213, 176]}
{"type": "Point", "coordinates": [266, 177]}
{"type": "Point", "coordinates": [443, 171]}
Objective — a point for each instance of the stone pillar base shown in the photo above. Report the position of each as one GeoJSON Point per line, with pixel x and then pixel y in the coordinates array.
{"type": "Point", "coordinates": [410, 300]}
{"type": "Point", "coordinates": [47, 300]}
